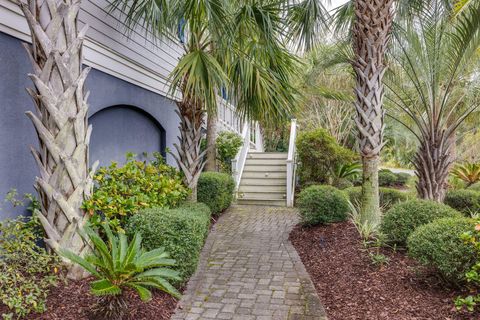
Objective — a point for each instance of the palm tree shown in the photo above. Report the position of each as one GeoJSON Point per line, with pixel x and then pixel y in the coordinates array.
{"type": "Point", "coordinates": [373, 21]}
{"type": "Point", "coordinates": [433, 83]}
{"type": "Point", "coordinates": [235, 45]}
{"type": "Point", "coordinates": [60, 121]}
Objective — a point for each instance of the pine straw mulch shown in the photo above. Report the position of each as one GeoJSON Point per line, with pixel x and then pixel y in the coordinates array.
{"type": "Point", "coordinates": [351, 287]}
{"type": "Point", "coordinates": [72, 301]}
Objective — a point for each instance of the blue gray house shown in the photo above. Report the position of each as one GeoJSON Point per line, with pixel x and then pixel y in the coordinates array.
{"type": "Point", "coordinates": [128, 104]}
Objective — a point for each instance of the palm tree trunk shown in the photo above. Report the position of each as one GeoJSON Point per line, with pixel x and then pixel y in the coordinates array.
{"type": "Point", "coordinates": [189, 157]}
{"type": "Point", "coordinates": [60, 121]}
{"type": "Point", "coordinates": [211, 163]}
{"type": "Point", "coordinates": [432, 163]}
{"type": "Point", "coordinates": [370, 37]}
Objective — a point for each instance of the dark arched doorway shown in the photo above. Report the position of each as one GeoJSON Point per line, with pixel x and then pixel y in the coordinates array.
{"type": "Point", "coordinates": [121, 129]}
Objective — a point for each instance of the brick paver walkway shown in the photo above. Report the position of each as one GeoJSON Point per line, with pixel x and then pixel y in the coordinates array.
{"type": "Point", "coordinates": [249, 270]}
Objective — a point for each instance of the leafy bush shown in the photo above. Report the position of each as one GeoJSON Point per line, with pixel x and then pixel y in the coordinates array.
{"type": "Point", "coordinates": [228, 144]}
{"type": "Point", "coordinates": [403, 178]}
{"type": "Point", "coordinates": [472, 239]}
{"type": "Point", "coordinates": [118, 265]}
{"type": "Point", "coordinates": [439, 244]}
{"type": "Point", "coordinates": [122, 191]}
{"type": "Point", "coordinates": [322, 204]}
{"type": "Point", "coordinates": [387, 178]}
{"type": "Point", "coordinates": [180, 231]}
{"type": "Point", "coordinates": [403, 218]}
{"type": "Point", "coordinates": [463, 200]}
{"type": "Point", "coordinates": [475, 187]}
{"type": "Point", "coordinates": [388, 196]}
{"type": "Point", "coordinates": [319, 154]}
{"type": "Point", "coordinates": [27, 271]}
{"type": "Point", "coordinates": [215, 190]}
{"type": "Point", "coordinates": [342, 183]}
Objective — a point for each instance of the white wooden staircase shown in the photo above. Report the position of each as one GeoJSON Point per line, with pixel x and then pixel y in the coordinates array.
{"type": "Point", "coordinates": [265, 178]}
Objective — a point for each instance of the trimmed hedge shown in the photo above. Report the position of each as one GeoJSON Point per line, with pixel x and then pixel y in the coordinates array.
{"type": "Point", "coordinates": [181, 231]}
{"type": "Point", "coordinates": [215, 190]}
{"type": "Point", "coordinates": [463, 200]}
{"type": "Point", "coordinates": [386, 178]}
{"type": "Point", "coordinates": [439, 244]}
{"type": "Point", "coordinates": [388, 196]}
{"type": "Point", "coordinates": [322, 204]}
{"type": "Point", "coordinates": [402, 219]}
{"type": "Point", "coordinates": [342, 183]}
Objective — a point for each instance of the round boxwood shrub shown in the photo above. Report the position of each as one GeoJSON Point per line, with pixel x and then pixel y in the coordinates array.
{"type": "Point", "coordinates": [342, 183]}
{"type": "Point", "coordinates": [386, 178]}
{"type": "Point", "coordinates": [463, 200]}
{"type": "Point", "coordinates": [400, 221]}
{"type": "Point", "coordinates": [439, 244]}
{"type": "Point", "coordinates": [215, 190]}
{"type": "Point", "coordinates": [402, 178]}
{"type": "Point", "coordinates": [388, 196]}
{"type": "Point", "coordinates": [322, 204]}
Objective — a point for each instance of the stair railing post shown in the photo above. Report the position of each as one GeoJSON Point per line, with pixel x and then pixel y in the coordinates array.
{"type": "Point", "coordinates": [291, 164]}
{"type": "Point", "coordinates": [238, 163]}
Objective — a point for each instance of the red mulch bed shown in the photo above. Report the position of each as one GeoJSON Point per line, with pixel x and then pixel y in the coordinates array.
{"type": "Point", "coordinates": [73, 302]}
{"type": "Point", "coordinates": [352, 287]}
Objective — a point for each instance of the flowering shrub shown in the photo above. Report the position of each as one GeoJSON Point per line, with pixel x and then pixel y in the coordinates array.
{"type": "Point", "coordinates": [123, 191]}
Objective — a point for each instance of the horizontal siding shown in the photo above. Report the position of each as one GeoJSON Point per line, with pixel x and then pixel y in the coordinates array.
{"type": "Point", "coordinates": [137, 59]}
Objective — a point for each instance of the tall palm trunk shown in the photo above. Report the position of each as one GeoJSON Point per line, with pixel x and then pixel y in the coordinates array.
{"type": "Point", "coordinates": [432, 163]}
{"type": "Point", "coordinates": [189, 157]}
{"type": "Point", "coordinates": [370, 37]}
{"type": "Point", "coordinates": [60, 121]}
{"type": "Point", "coordinates": [211, 162]}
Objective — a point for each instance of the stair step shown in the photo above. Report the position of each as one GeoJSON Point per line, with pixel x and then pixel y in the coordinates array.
{"type": "Point", "coordinates": [263, 181]}
{"type": "Point", "coordinates": [266, 162]}
{"type": "Point", "coordinates": [256, 188]}
{"type": "Point", "coordinates": [267, 155]}
{"type": "Point", "coordinates": [265, 168]}
{"type": "Point", "coordinates": [262, 195]}
{"type": "Point", "coordinates": [262, 202]}
{"type": "Point", "coordinates": [255, 174]}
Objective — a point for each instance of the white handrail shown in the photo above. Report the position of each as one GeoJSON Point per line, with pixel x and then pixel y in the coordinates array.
{"type": "Point", "coordinates": [239, 162]}
{"type": "Point", "coordinates": [291, 165]}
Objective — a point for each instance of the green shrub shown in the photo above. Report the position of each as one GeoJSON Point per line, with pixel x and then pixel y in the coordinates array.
{"type": "Point", "coordinates": [475, 187]}
{"type": "Point", "coordinates": [388, 196]}
{"type": "Point", "coordinates": [322, 204]}
{"type": "Point", "coordinates": [386, 178]}
{"type": "Point", "coordinates": [439, 244]}
{"type": "Point", "coordinates": [122, 191]}
{"type": "Point", "coordinates": [215, 190]}
{"type": "Point", "coordinates": [118, 265]}
{"type": "Point", "coordinates": [27, 271]}
{"type": "Point", "coordinates": [319, 154]}
{"type": "Point", "coordinates": [228, 144]}
{"type": "Point", "coordinates": [180, 231]}
{"type": "Point", "coordinates": [342, 183]}
{"type": "Point", "coordinates": [463, 200]}
{"type": "Point", "coordinates": [402, 219]}
{"type": "Point", "coordinates": [402, 178]}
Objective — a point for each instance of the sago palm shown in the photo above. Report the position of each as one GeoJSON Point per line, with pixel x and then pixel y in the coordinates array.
{"type": "Point", "coordinates": [60, 120]}
{"type": "Point", "coordinates": [432, 82]}
{"type": "Point", "coordinates": [467, 172]}
{"type": "Point", "coordinates": [120, 264]}
{"type": "Point", "coordinates": [232, 45]}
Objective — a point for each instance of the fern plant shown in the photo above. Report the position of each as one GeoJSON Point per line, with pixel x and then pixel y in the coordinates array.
{"type": "Point", "coordinates": [119, 265]}
{"type": "Point", "coordinates": [467, 172]}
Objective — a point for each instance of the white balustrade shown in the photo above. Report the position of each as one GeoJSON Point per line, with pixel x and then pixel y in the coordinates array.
{"type": "Point", "coordinates": [291, 163]}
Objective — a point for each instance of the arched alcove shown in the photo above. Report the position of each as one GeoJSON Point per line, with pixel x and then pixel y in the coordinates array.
{"type": "Point", "coordinates": [121, 129]}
